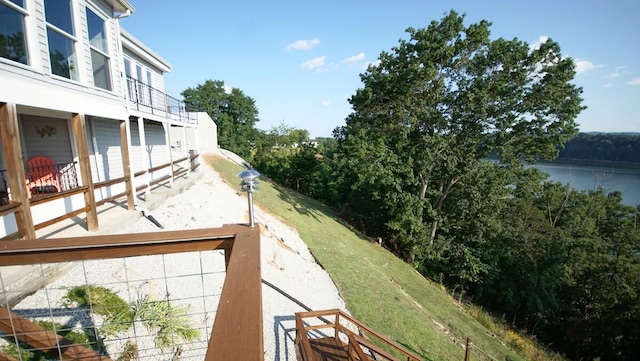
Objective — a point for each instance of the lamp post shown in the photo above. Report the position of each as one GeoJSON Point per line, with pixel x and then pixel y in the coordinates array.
{"type": "Point", "coordinates": [248, 184]}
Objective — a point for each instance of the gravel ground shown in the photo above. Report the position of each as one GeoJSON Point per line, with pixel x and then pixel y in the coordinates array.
{"type": "Point", "coordinates": [210, 202]}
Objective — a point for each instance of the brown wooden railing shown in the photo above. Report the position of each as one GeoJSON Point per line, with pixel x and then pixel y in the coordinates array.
{"type": "Point", "coordinates": [237, 328]}
{"type": "Point", "coordinates": [343, 340]}
{"type": "Point", "coordinates": [7, 206]}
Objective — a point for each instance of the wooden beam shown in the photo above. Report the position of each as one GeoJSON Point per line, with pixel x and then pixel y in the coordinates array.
{"type": "Point", "coordinates": [80, 135]}
{"type": "Point", "coordinates": [10, 134]}
{"type": "Point", "coordinates": [237, 329]}
{"type": "Point", "coordinates": [45, 340]}
{"type": "Point", "coordinates": [120, 245]}
{"type": "Point", "coordinates": [126, 164]}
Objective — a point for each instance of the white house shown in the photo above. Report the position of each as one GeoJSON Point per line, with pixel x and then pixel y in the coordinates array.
{"type": "Point", "coordinates": [84, 118]}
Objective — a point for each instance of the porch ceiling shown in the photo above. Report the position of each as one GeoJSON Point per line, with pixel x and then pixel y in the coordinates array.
{"type": "Point", "coordinates": [121, 6]}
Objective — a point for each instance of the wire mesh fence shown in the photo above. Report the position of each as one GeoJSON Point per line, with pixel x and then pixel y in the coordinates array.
{"type": "Point", "coordinates": [157, 307]}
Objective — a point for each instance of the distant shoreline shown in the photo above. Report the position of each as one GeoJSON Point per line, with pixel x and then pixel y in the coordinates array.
{"type": "Point", "coordinates": [585, 162]}
{"type": "Point", "coordinates": [588, 162]}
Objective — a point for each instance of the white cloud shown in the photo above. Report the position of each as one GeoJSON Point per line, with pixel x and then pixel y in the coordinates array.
{"type": "Point", "coordinates": [325, 103]}
{"type": "Point", "coordinates": [541, 40]}
{"type": "Point", "coordinates": [620, 70]}
{"type": "Point", "coordinates": [303, 44]}
{"type": "Point", "coordinates": [607, 86]}
{"type": "Point", "coordinates": [365, 66]}
{"type": "Point", "coordinates": [354, 59]}
{"type": "Point", "coordinates": [584, 66]}
{"type": "Point", "coordinates": [634, 82]}
{"type": "Point", "coordinates": [313, 63]}
{"type": "Point", "coordinates": [228, 89]}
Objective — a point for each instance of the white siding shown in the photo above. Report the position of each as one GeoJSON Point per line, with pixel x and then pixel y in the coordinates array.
{"type": "Point", "coordinates": [56, 208]}
{"type": "Point", "coordinates": [108, 152]}
{"type": "Point", "coordinates": [82, 46]}
{"type": "Point", "coordinates": [106, 156]}
{"type": "Point", "coordinates": [56, 146]}
{"type": "Point", "coordinates": [157, 78]}
{"type": "Point", "coordinates": [157, 149]}
{"type": "Point", "coordinates": [8, 225]}
{"type": "Point", "coordinates": [135, 152]}
{"type": "Point", "coordinates": [42, 36]}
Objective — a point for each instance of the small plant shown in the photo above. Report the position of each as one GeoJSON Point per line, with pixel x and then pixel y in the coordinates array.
{"type": "Point", "coordinates": [130, 352]}
{"type": "Point", "coordinates": [84, 336]}
{"type": "Point", "coordinates": [117, 313]}
{"type": "Point", "coordinates": [170, 322]}
{"type": "Point", "coordinates": [18, 352]}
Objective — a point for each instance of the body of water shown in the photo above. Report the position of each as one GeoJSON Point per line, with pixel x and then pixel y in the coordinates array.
{"type": "Point", "coordinates": [586, 177]}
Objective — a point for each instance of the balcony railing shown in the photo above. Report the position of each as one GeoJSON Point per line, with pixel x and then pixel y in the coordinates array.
{"type": "Point", "coordinates": [189, 295]}
{"type": "Point", "coordinates": [42, 180]}
{"type": "Point", "coordinates": [149, 99]}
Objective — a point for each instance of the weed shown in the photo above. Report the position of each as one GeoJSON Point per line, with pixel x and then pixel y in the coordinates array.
{"type": "Point", "coordinates": [117, 314]}
{"type": "Point", "coordinates": [170, 322]}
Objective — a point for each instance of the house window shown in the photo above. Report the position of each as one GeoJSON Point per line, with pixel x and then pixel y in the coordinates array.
{"type": "Point", "coordinates": [99, 51]}
{"type": "Point", "coordinates": [13, 44]}
{"type": "Point", "coordinates": [62, 42]}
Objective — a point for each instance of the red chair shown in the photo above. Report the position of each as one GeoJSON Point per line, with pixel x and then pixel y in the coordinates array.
{"type": "Point", "coordinates": [42, 177]}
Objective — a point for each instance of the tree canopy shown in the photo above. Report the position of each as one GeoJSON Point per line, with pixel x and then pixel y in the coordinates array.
{"type": "Point", "coordinates": [234, 113]}
{"type": "Point", "coordinates": [413, 150]}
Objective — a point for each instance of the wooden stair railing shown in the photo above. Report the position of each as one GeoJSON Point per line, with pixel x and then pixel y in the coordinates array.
{"type": "Point", "coordinates": [350, 347]}
{"type": "Point", "coordinates": [44, 340]}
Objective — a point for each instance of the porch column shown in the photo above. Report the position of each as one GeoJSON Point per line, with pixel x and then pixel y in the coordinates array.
{"type": "Point", "coordinates": [196, 140]}
{"type": "Point", "coordinates": [146, 164]}
{"type": "Point", "coordinates": [9, 131]}
{"type": "Point", "coordinates": [80, 135]}
{"type": "Point", "coordinates": [186, 149]}
{"type": "Point", "coordinates": [167, 138]}
{"type": "Point", "coordinates": [126, 163]}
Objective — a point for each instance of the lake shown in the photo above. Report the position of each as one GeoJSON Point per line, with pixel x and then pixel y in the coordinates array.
{"type": "Point", "coordinates": [584, 177]}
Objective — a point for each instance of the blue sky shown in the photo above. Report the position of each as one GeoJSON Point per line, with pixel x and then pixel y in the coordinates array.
{"type": "Point", "coordinates": [301, 60]}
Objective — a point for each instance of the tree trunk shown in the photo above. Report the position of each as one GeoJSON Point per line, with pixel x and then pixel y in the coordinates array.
{"type": "Point", "coordinates": [434, 227]}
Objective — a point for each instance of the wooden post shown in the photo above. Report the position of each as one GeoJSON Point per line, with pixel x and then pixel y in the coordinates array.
{"type": "Point", "coordinates": [467, 353]}
{"type": "Point", "coordinates": [9, 131]}
{"type": "Point", "coordinates": [167, 138]}
{"type": "Point", "coordinates": [80, 135]}
{"type": "Point", "coordinates": [126, 165]}
{"type": "Point", "coordinates": [146, 162]}
{"type": "Point", "coordinates": [185, 144]}
{"type": "Point", "coordinates": [237, 328]}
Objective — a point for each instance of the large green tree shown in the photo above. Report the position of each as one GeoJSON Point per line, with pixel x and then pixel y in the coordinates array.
{"type": "Point", "coordinates": [234, 113]}
{"type": "Point", "coordinates": [413, 151]}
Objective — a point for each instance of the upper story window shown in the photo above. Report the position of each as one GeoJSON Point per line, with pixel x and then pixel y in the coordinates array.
{"type": "Point", "coordinates": [13, 40]}
{"type": "Point", "coordinates": [61, 37]}
{"type": "Point", "coordinates": [99, 51]}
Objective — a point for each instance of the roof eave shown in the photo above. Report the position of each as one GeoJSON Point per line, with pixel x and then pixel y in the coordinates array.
{"type": "Point", "coordinates": [121, 6]}
{"type": "Point", "coordinates": [137, 47]}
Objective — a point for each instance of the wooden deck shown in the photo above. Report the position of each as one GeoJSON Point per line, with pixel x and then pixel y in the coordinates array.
{"type": "Point", "coordinates": [328, 349]}
{"type": "Point", "coordinates": [315, 345]}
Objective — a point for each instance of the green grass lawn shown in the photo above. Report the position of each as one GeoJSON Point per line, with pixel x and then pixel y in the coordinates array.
{"type": "Point", "coordinates": [379, 289]}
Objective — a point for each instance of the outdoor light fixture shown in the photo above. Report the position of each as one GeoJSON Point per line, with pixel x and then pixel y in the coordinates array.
{"type": "Point", "coordinates": [248, 184]}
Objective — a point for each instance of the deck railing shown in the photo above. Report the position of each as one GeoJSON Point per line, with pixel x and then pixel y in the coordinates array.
{"type": "Point", "coordinates": [175, 169]}
{"type": "Point", "coordinates": [64, 178]}
{"type": "Point", "coordinates": [149, 99]}
{"type": "Point", "coordinates": [334, 335]}
{"type": "Point", "coordinates": [205, 281]}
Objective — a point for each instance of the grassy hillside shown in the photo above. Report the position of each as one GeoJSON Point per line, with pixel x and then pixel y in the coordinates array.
{"type": "Point", "coordinates": [378, 288]}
